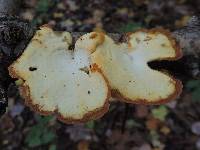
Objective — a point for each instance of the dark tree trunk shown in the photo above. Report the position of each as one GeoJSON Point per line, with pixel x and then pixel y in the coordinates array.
{"type": "Point", "coordinates": [14, 36]}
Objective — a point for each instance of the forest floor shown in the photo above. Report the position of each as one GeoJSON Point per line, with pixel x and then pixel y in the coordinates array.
{"type": "Point", "coordinates": [173, 126]}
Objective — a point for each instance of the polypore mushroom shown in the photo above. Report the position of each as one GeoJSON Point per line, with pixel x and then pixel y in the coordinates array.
{"type": "Point", "coordinates": [125, 64]}
{"type": "Point", "coordinates": [61, 81]}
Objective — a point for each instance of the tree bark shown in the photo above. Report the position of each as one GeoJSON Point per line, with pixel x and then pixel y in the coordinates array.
{"type": "Point", "coordinates": [14, 36]}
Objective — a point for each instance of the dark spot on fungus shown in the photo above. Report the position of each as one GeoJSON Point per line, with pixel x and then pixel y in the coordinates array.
{"type": "Point", "coordinates": [71, 47]}
{"type": "Point", "coordinates": [85, 69]}
{"type": "Point", "coordinates": [65, 39]}
{"type": "Point", "coordinates": [148, 38]}
{"type": "Point", "coordinates": [32, 68]}
{"type": "Point", "coordinates": [89, 92]}
{"type": "Point", "coordinates": [137, 40]}
{"type": "Point", "coordinates": [163, 45]}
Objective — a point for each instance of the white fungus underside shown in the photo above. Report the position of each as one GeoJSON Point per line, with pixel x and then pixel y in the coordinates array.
{"type": "Point", "coordinates": [58, 83]}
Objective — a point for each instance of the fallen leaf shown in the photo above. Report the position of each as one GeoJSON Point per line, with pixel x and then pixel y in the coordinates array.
{"type": "Point", "coordinates": [165, 130]}
{"type": "Point", "coordinates": [58, 15]}
{"type": "Point", "coordinates": [160, 112]}
{"type": "Point", "coordinates": [83, 145]}
{"type": "Point", "coordinates": [152, 123]}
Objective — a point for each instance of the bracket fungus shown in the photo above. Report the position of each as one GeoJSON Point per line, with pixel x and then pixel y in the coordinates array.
{"type": "Point", "coordinates": [61, 81]}
{"type": "Point", "coordinates": [76, 84]}
{"type": "Point", "coordinates": [125, 64]}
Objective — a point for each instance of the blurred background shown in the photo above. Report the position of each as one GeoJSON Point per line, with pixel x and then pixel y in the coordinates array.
{"type": "Point", "coordinates": [174, 126]}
